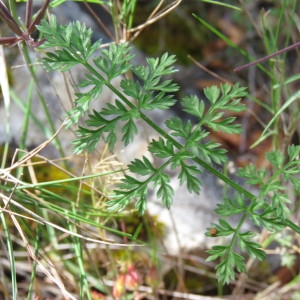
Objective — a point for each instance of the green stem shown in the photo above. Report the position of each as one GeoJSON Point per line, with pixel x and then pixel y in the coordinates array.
{"type": "Point", "coordinates": [13, 9]}
{"type": "Point", "coordinates": [14, 287]}
{"type": "Point", "coordinates": [31, 69]}
{"type": "Point", "coordinates": [27, 115]}
{"type": "Point", "coordinates": [34, 263]}
{"type": "Point", "coordinates": [130, 8]}
{"type": "Point", "coordinates": [84, 284]}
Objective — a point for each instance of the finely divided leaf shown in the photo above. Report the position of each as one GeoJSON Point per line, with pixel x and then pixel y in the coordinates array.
{"type": "Point", "coordinates": [141, 167]}
{"type": "Point", "coordinates": [231, 207]}
{"type": "Point", "coordinates": [161, 148]}
{"type": "Point", "coordinates": [165, 191]}
{"type": "Point", "coordinates": [115, 60]}
{"type": "Point", "coordinates": [190, 175]}
{"type": "Point", "coordinates": [212, 93]}
{"type": "Point", "coordinates": [193, 106]}
{"type": "Point", "coordinates": [179, 128]}
{"type": "Point", "coordinates": [246, 244]}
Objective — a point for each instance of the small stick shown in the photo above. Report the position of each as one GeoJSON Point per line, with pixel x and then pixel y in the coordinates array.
{"type": "Point", "coordinates": [213, 74]}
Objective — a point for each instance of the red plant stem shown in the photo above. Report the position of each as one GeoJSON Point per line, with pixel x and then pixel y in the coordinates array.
{"type": "Point", "coordinates": [8, 19]}
{"type": "Point", "coordinates": [28, 13]}
{"type": "Point", "coordinates": [9, 40]}
{"type": "Point", "coordinates": [267, 57]}
{"type": "Point", "coordinates": [39, 17]}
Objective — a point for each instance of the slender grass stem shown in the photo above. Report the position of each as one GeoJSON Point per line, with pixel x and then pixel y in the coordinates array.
{"type": "Point", "coordinates": [10, 249]}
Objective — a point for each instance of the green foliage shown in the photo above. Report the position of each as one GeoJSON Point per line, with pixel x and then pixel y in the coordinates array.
{"type": "Point", "coordinates": [74, 41]}
{"type": "Point", "coordinates": [273, 193]}
{"type": "Point", "coordinates": [151, 90]}
{"type": "Point", "coordinates": [268, 209]}
{"type": "Point", "coordinates": [193, 146]}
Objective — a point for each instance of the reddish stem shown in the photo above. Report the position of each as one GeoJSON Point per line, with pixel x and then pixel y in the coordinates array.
{"type": "Point", "coordinates": [267, 57]}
